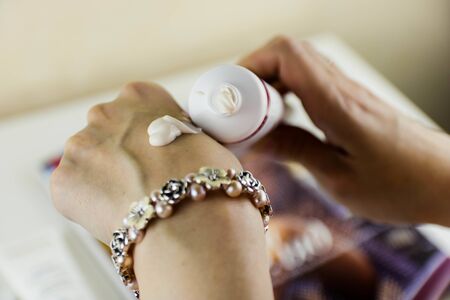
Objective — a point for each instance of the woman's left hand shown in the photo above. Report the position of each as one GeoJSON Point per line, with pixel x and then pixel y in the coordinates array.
{"type": "Point", "coordinates": [110, 164]}
{"type": "Point", "coordinates": [209, 250]}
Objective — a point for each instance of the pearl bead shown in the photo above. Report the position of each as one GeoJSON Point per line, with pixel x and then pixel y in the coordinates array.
{"type": "Point", "coordinates": [266, 220]}
{"type": "Point", "coordinates": [139, 237]}
{"type": "Point", "coordinates": [128, 262]}
{"type": "Point", "coordinates": [120, 259]}
{"type": "Point", "coordinates": [133, 286]}
{"type": "Point", "coordinates": [260, 199]}
{"type": "Point", "coordinates": [163, 210]}
{"type": "Point", "coordinates": [190, 177]}
{"type": "Point", "coordinates": [234, 189]}
{"type": "Point", "coordinates": [135, 235]}
{"type": "Point", "coordinates": [231, 173]}
{"type": "Point", "coordinates": [154, 196]}
{"type": "Point", "coordinates": [197, 192]}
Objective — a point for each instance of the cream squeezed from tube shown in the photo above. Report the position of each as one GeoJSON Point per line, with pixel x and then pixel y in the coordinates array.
{"type": "Point", "coordinates": [166, 129]}
{"type": "Point", "coordinates": [226, 101]}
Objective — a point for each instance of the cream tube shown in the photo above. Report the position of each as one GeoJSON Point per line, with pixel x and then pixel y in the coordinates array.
{"type": "Point", "coordinates": [234, 106]}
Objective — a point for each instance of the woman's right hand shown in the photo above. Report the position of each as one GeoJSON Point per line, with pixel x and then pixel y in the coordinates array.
{"type": "Point", "coordinates": [376, 161]}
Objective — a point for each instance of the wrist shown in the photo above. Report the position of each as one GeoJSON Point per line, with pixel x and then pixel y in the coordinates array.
{"type": "Point", "coordinates": [201, 238]}
{"type": "Point", "coordinates": [195, 228]}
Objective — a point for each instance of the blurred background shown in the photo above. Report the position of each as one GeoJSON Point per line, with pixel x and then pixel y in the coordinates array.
{"type": "Point", "coordinates": [56, 50]}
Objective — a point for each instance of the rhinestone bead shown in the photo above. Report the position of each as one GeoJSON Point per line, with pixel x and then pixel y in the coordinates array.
{"type": "Point", "coordinates": [174, 191]}
{"type": "Point", "coordinates": [267, 210]}
{"type": "Point", "coordinates": [119, 242]}
{"type": "Point", "coordinates": [250, 183]}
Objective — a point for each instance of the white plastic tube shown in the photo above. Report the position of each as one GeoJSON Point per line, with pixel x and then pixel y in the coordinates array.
{"type": "Point", "coordinates": [234, 106]}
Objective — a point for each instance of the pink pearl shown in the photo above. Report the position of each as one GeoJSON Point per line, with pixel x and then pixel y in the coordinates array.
{"type": "Point", "coordinates": [154, 196]}
{"type": "Point", "coordinates": [260, 199]}
{"type": "Point", "coordinates": [234, 189]}
{"type": "Point", "coordinates": [128, 262]}
{"type": "Point", "coordinates": [133, 286]}
{"type": "Point", "coordinates": [190, 177]}
{"type": "Point", "coordinates": [163, 210]}
{"type": "Point", "coordinates": [136, 235]}
{"type": "Point", "coordinates": [266, 220]}
{"type": "Point", "coordinates": [231, 173]}
{"type": "Point", "coordinates": [197, 192]}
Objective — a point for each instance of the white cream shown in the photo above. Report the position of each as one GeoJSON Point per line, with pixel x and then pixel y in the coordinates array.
{"type": "Point", "coordinates": [165, 130]}
{"type": "Point", "coordinates": [226, 101]}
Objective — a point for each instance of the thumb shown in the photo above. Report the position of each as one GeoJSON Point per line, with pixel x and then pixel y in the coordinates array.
{"type": "Point", "coordinates": [296, 144]}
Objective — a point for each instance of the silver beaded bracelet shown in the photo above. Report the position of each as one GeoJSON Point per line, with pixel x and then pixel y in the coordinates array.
{"type": "Point", "coordinates": [161, 202]}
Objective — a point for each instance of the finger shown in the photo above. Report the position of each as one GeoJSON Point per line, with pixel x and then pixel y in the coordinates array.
{"type": "Point", "coordinates": [290, 62]}
{"type": "Point", "coordinates": [299, 68]}
{"type": "Point", "coordinates": [323, 60]}
{"type": "Point", "coordinates": [316, 82]}
{"type": "Point", "coordinates": [279, 86]}
{"type": "Point", "coordinates": [295, 144]}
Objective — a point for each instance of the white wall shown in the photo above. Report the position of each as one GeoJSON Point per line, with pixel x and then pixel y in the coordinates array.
{"type": "Point", "coordinates": [55, 50]}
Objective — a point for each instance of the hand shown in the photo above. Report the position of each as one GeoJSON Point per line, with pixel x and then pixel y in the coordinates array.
{"type": "Point", "coordinates": [110, 164]}
{"type": "Point", "coordinates": [211, 249]}
{"type": "Point", "coordinates": [374, 160]}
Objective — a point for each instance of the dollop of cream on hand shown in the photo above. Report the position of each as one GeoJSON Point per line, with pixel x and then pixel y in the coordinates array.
{"type": "Point", "coordinates": [226, 100]}
{"type": "Point", "coordinates": [165, 130]}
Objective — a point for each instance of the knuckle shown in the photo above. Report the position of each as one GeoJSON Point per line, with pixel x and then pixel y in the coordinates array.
{"type": "Point", "coordinates": [304, 45]}
{"type": "Point", "coordinates": [74, 145]}
{"type": "Point", "coordinates": [140, 89]}
{"type": "Point", "coordinates": [286, 43]}
{"type": "Point", "coordinates": [58, 184]}
{"type": "Point", "coordinates": [150, 97]}
{"type": "Point", "coordinates": [302, 48]}
{"type": "Point", "coordinates": [98, 114]}
{"type": "Point", "coordinates": [79, 145]}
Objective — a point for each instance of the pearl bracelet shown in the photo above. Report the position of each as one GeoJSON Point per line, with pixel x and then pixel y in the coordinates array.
{"type": "Point", "coordinates": [161, 202]}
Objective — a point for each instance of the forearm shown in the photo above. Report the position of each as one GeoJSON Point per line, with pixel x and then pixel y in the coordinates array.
{"type": "Point", "coordinates": [419, 176]}
{"type": "Point", "coordinates": [209, 250]}
{"type": "Point", "coordinates": [436, 178]}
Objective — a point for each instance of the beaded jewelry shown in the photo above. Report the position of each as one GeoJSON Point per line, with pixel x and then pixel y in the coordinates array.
{"type": "Point", "coordinates": [161, 204]}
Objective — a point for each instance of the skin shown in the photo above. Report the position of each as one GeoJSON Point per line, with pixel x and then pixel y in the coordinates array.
{"type": "Point", "coordinates": [376, 161]}
{"type": "Point", "coordinates": [209, 250]}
